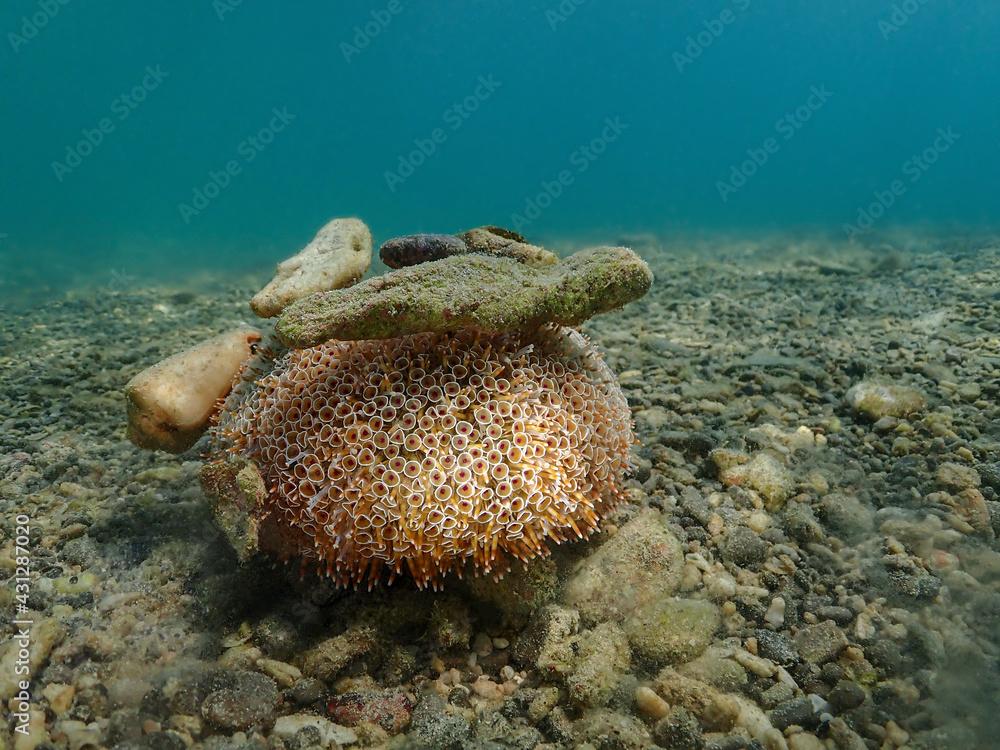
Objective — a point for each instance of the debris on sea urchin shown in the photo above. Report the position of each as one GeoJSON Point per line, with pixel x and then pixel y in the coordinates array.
{"type": "Point", "coordinates": [432, 451]}
{"type": "Point", "coordinates": [490, 294]}
{"type": "Point", "coordinates": [170, 404]}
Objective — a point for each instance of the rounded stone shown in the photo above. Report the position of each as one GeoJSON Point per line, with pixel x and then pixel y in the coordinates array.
{"type": "Point", "coordinates": [670, 631]}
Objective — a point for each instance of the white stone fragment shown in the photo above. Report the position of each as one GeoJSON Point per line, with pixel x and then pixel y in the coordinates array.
{"type": "Point", "coordinates": [338, 256]}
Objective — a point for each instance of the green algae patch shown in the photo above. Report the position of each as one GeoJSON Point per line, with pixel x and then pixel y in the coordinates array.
{"type": "Point", "coordinates": [235, 488]}
{"type": "Point", "coordinates": [490, 294]}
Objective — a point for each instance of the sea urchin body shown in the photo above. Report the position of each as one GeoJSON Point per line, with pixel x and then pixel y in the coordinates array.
{"type": "Point", "coordinates": [431, 452]}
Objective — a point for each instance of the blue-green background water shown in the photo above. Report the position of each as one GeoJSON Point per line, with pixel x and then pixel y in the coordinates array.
{"type": "Point", "coordinates": [696, 89]}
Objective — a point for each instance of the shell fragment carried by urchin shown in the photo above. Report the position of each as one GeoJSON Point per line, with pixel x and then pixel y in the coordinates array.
{"type": "Point", "coordinates": [482, 292]}
{"type": "Point", "coordinates": [413, 249]}
{"type": "Point", "coordinates": [170, 404]}
{"type": "Point", "coordinates": [429, 453]}
{"type": "Point", "coordinates": [338, 256]}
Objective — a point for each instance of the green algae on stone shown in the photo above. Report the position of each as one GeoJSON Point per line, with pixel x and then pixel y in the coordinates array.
{"type": "Point", "coordinates": [235, 487]}
{"type": "Point", "coordinates": [493, 295]}
{"type": "Point", "coordinates": [671, 631]}
{"type": "Point", "coordinates": [761, 472]}
{"type": "Point", "coordinates": [518, 595]}
{"type": "Point", "coordinates": [878, 400]}
{"type": "Point", "coordinates": [506, 244]}
{"type": "Point", "coordinates": [636, 567]}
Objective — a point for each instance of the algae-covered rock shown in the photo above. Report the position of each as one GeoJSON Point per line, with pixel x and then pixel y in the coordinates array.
{"type": "Point", "coordinates": [486, 293]}
{"type": "Point", "coordinates": [762, 472]}
{"type": "Point", "coordinates": [413, 249]}
{"type": "Point", "coordinates": [605, 728]}
{"type": "Point", "coordinates": [506, 244]}
{"type": "Point", "coordinates": [449, 626]}
{"type": "Point", "coordinates": [669, 631]}
{"type": "Point", "coordinates": [548, 643]}
{"type": "Point", "coordinates": [638, 566]}
{"type": "Point", "coordinates": [877, 400]}
{"type": "Point", "coordinates": [518, 595]}
{"type": "Point", "coordinates": [235, 488]}
{"type": "Point", "coordinates": [171, 403]}
{"type": "Point", "coordinates": [328, 658]}
{"type": "Point", "coordinates": [337, 256]}
{"type": "Point", "coordinates": [247, 700]}
{"type": "Point", "coordinates": [602, 657]}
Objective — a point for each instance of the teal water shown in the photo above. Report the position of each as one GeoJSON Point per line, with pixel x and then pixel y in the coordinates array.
{"type": "Point", "coordinates": [161, 138]}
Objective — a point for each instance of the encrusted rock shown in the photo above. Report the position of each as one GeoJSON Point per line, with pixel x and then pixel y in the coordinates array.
{"type": "Point", "coordinates": [235, 487]}
{"type": "Point", "coordinates": [247, 700]}
{"type": "Point", "coordinates": [679, 730]}
{"type": "Point", "coordinates": [819, 643]}
{"type": "Point", "coordinates": [436, 727]}
{"type": "Point", "coordinates": [668, 630]}
{"type": "Point", "coordinates": [638, 566]}
{"type": "Point", "coordinates": [170, 404]}
{"type": "Point", "coordinates": [716, 669]}
{"type": "Point", "coordinates": [326, 659]}
{"type": "Point", "coordinates": [506, 244]}
{"type": "Point", "coordinates": [413, 249]}
{"type": "Point", "coordinates": [741, 546]}
{"type": "Point", "coordinates": [518, 595]}
{"type": "Point", "coordinates": [604, 728]}
{"type": "Point", "coordinates": [389, 709]}
{"type": "Point", "coordinates": [602, 657]}
{"type": "Point", "coordinates": [549, 641]}
{"type": "Point", "coordinates": [490, 294]}
{"type": "Point", "coordinates": [337, 256]}
{"type": "Point", "coordinates": [762, 472]}
{"type": "Point", "coordinates": [877, 400]}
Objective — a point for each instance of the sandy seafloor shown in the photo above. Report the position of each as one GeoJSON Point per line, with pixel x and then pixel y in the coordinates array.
{"type": "Point", "coordinates": [878, 536]}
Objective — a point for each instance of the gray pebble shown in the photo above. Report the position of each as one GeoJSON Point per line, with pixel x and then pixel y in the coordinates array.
{"type": "Point", "coordinates": [679, 730]}
{"type": "Point", "coordinates": [819, 643]}
{"type": "Point", "coordinates": [743, 547]}
{"type": "Point", "coordinates": [846, 695]}
{"type": "Point", "coordinates": [433, 726]}
{"type": "Point", "coordinates": [776, 646]}
{"type": "Point", "coordinates": [798, 711]}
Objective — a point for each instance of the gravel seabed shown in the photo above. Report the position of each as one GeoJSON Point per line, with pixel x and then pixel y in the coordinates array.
{"type": "Point", "coordinates": [809, 557]}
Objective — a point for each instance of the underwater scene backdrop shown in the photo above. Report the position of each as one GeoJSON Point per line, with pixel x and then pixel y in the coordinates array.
{"type": "Point", "coordinates": [632, 380]}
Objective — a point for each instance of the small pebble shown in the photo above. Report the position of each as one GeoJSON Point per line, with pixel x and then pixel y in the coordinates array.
{"type": "Point", "coordinates": [651, 704]}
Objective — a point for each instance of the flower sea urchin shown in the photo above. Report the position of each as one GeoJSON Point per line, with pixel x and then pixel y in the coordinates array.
{"type": "Point", "coordinates": [430, 451]}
